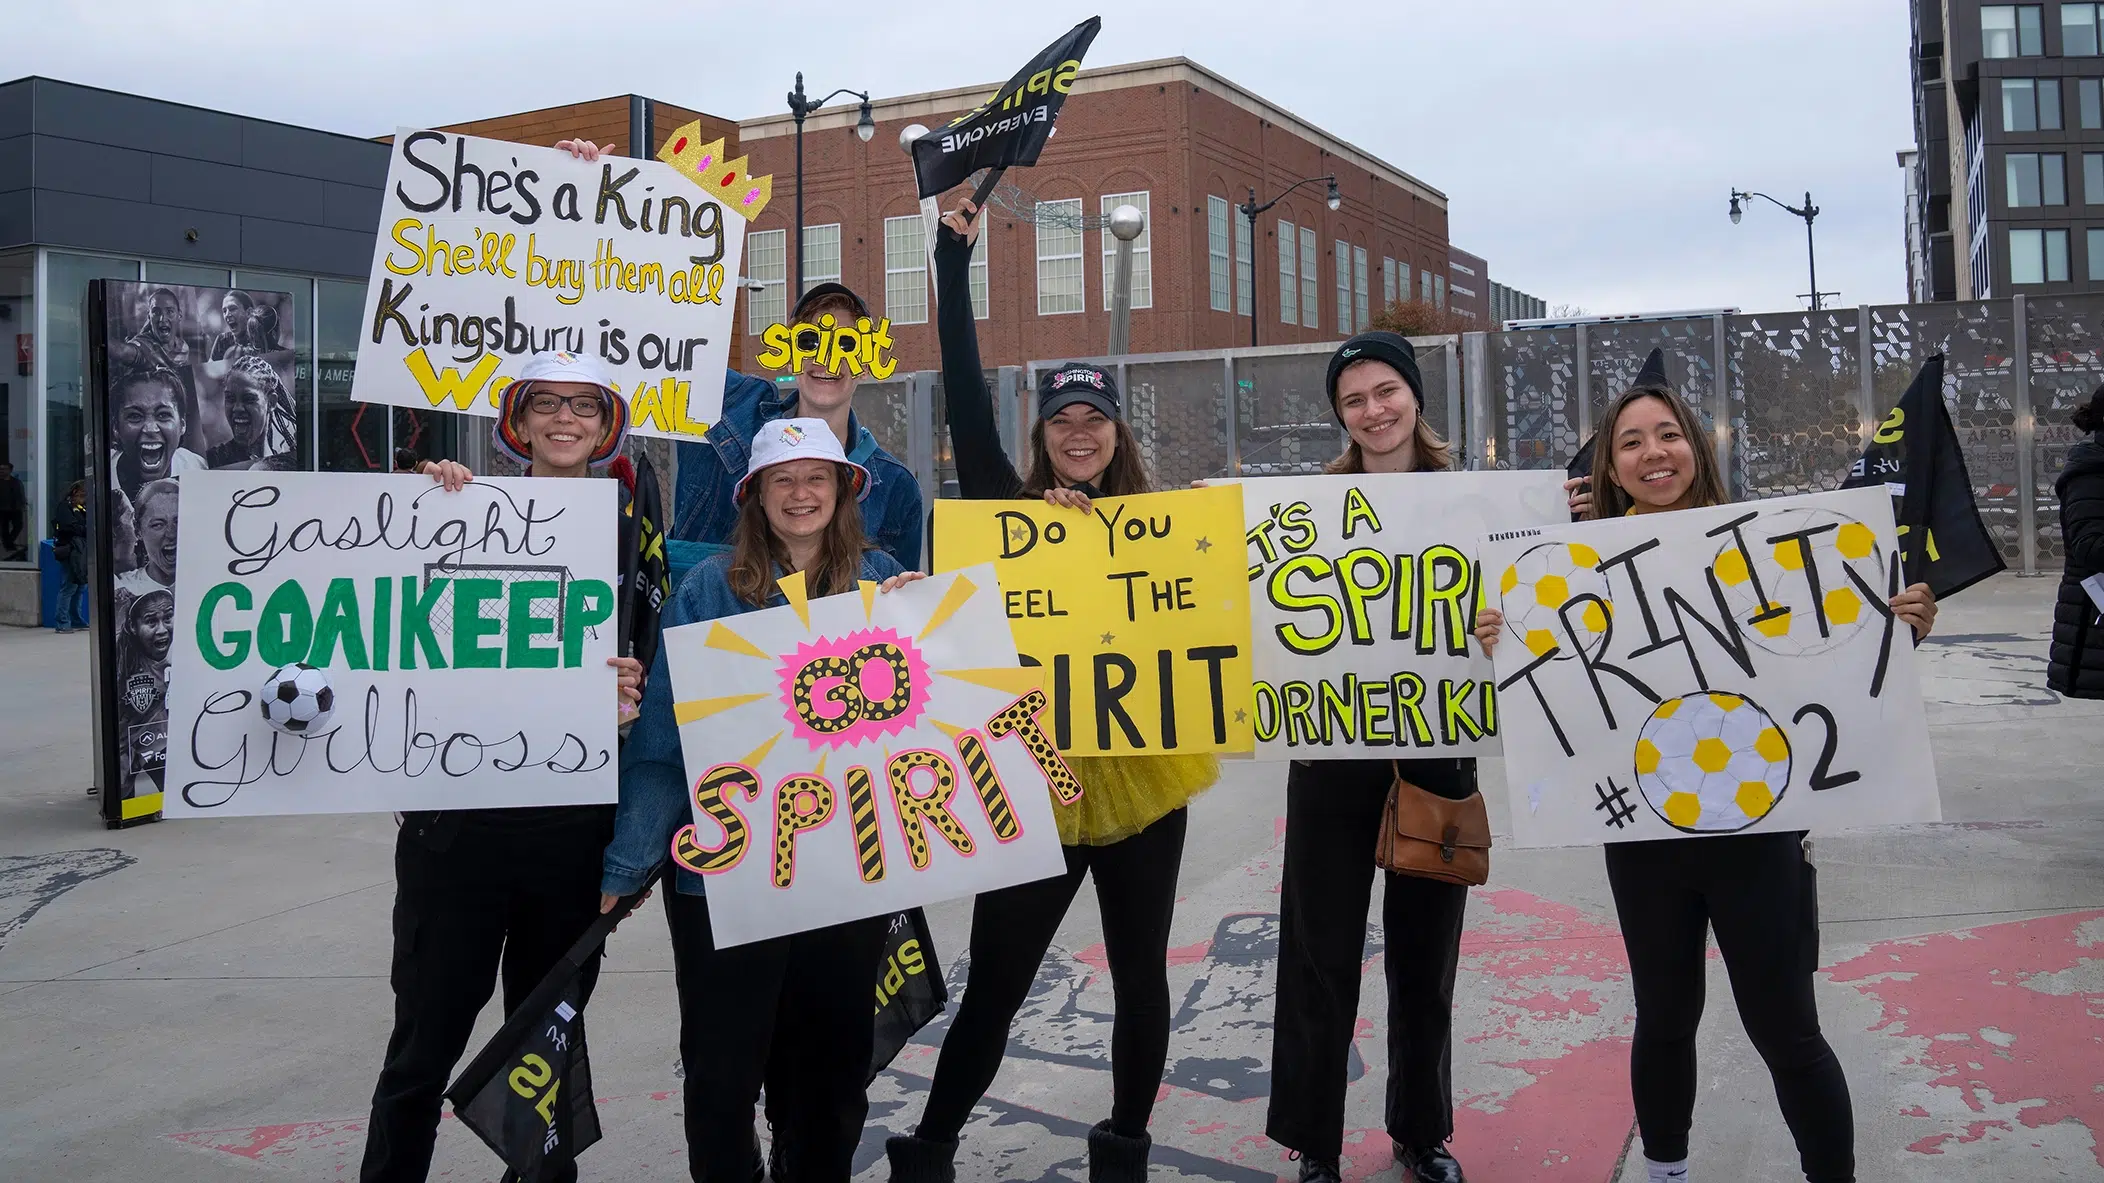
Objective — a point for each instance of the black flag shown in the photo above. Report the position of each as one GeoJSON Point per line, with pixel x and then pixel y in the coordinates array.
{"type": "Point", "coordinates": [646, 570]}
{"type": "Point", "coordinates": [1915, 453]}
{"type": "Point", "coordinates": [910, 989]}
{"type": "Point", "coordinates": [1010, 127]}
{"type": "Point", "coordinates": [529, 1093]}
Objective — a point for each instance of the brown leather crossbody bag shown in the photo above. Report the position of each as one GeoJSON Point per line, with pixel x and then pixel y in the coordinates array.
{"type": "Point", "coordinates": [1434, 837]}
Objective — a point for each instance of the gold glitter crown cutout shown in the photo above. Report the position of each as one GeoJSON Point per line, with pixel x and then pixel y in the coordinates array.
{"type": "Point", "coordinates": [725, 180]}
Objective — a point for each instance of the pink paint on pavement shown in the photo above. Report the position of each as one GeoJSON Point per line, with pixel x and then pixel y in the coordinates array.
{"type": "Point", "coordinates": [1098, 958]}
{"type": "Point", "coordinates": [257, 1143]}
{"type": "Point", "coordinates": [2010, 1014]}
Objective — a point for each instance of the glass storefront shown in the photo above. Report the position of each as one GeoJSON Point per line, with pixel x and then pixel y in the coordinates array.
{"type": "Point", "coordinates": [45, 444]}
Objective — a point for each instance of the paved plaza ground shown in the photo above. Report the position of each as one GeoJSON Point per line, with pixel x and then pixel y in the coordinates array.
{"type": "Point", "coordinates": [208, 1000]}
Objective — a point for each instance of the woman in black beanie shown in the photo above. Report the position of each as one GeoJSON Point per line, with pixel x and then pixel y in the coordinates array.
{"type": "Point", "coordinates": [1333, 819]}
{"type": "Point", "coordinates": [2075, 663]}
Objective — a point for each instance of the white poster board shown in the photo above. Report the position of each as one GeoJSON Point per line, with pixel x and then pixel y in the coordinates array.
{"type": "Point", "coordinates": [489, 252]}
{"type": "Point", "coordinates": [862, 754]}
{"type": "Point", "coordinates": [373, 579]}
{"type": "Point", "coordinates": [1362, 593]}
{"type": "Point", "coordinates": [1709, 671]}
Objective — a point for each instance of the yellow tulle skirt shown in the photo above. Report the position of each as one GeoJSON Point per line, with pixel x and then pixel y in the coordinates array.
{"type": "Point", "coordinates": [1122, 795]}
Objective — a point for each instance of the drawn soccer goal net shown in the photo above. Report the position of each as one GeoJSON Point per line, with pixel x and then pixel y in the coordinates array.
{"type": "Point", "coordinates": [549, 608]}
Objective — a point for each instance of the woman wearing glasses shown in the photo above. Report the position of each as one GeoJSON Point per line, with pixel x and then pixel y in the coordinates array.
{"type": "Point", "coordinates": [465, 910]}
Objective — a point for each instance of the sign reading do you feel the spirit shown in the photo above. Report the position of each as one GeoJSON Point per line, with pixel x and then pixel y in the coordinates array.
{"type": "Point", "coordinates": [459, 644]}
{"type": "Point", "coordinates": [1138, 610]}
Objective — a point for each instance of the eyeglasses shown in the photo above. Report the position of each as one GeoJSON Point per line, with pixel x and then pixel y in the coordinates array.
{"type": "Point", "coordinates": [582, 406]}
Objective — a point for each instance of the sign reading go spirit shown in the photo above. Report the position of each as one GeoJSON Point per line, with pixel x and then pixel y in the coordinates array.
{"type": "Point", "coordinates": [1363, 591]}
{"type": "Point", "coordinates": [490, 252]}
{"type": "Point", "coordinates": [1138, 610]}
{"type": "Point", "coordinates": [461, 642]}
{"type": "Point", "coordinates": [1709, 671]}
{"type": "Point", "coordinates": [892, 755]}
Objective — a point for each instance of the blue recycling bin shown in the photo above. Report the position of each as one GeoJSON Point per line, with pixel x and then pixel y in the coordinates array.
{"type": "Point", "coordinates": [51, 576]}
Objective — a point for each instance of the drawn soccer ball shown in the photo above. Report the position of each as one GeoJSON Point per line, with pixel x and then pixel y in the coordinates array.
{"type": "Point", "coordinates": [1711, 763]}
{"type": "Point", "coordinates": [1537, 586]}
{"type": "Point", "coordinates": [297, 699]}
{"type": "Point", "coordinates": [1794, 621]}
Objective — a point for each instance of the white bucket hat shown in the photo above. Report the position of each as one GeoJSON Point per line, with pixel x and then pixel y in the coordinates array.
{"type": "Point", "coordinates": [559, 366]}
{"type": "Point", "coordinates": [783, 440]}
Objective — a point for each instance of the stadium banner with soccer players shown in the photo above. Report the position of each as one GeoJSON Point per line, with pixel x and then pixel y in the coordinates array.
{"type": "Point", "coordinates": [862, 754]}
{"type": "Point", "coordinates": [1709, 671]}
{"type": "Point", "coordinates": [1138, 610]}
{"type": "Point", "coordinates": [490, 252]}
{"type": "Point", "coordinates": [184, 379]}
{"type": "Point", "coordinates": [353, 643]}
{"type": "Point", "coordinates": [1363, 592]}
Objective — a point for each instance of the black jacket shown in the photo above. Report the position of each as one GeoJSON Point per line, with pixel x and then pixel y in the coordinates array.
{"type": "Point", "coordinates": [69, 535]}
{"type": "Point", "coordinates": [2075, 664]}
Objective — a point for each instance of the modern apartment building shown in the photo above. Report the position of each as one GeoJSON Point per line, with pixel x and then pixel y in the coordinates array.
{"type": "Point", "coordinates": [1512, 304]}
{"type": "Point", "coordinates": [1171, 137]}
{"type": "Point", "coordinates": [2008, 173]}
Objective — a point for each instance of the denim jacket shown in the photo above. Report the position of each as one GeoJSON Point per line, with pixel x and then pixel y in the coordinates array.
{"type": "Point", "coordinates": [709, 471]}
{"type": "Point", "coordinates": [654, 801]}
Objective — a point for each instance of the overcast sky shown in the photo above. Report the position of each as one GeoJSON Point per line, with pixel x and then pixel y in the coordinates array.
{"type": "Point", "coordinates": [1586, 150]}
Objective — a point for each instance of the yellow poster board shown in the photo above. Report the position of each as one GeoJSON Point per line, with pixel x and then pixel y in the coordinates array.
{"type": "Point", "coordinates": [1137, 609]}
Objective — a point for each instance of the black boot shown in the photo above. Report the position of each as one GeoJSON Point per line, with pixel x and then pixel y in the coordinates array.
{"type": "Point", "coordinates": [1429, 1164]}
{"type": "Point", "coordinates": [921, 1160]}
{"type": "Point", "coordinates": [1320, 1170]}
{"type": "Point", "coordinates": [1114, 1158]}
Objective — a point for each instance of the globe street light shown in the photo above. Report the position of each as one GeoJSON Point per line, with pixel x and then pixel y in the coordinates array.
{"type": "Point", "coordinates": [1250, 209]}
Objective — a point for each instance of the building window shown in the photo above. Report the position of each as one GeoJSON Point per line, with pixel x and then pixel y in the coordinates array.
{"type": "Point", "coordinates": [1245, 268]}
{"type": "Point", "coordinates": [821, 262]}
{"type": "Point", "coordinates": [906, 270]}
{"type": "Point", "coordinates": [1402, 281]}
{"type": "Point", "coordinates": [1310, 281]}
{"type": "Point", "coordinates": [1439, 292]}
{"type": "Point", "coordinates": [2096, 254]}
{"type": "Point", "coordinates": [1219, 262]}
{"type": "Point", "coordinates": [1344, 287]}
{"type": "Point", "coordinates": [352, 439]}
{"type": "Point", "coordinates": [2078, 30]}
{"type": "Point", "coordinates": [2037, 256]}
{"type": "Point", "coordinates": [1424, 285]}
{"type": "Point", "coordinates": [2036, 178]}
{"type": "Point", "coordinates": [1387, 281]}
{"type": "Point", "coordinates": [1059, 286]}
{"type": "Point", "coordinates": [766, 264]}
{"type": "Point", "coordinates": [2089, 101]}
{"type": "Point", "coordinates": [1142, 252]}
{"type": "Point", "coordinates": [1288, 284]}
{"type": "Point", "coordinates": [1359, 287]}
{"type": "Point", "coordinates": [2030, 104]}
{"type": "Point", "coordinates": [982, 306]}
{"type": "Point", "coordinates": [2011, 30]}
{"type": "Point", "coordinates": [2093, 179]}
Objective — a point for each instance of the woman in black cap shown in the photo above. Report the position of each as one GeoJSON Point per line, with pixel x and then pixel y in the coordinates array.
{"type": "Point", "coordinates": [1333, 820]}
{"type": "Point", "coordinates": [1128, 827]}
{"type": "Point", "coordinates": [1758, 891]}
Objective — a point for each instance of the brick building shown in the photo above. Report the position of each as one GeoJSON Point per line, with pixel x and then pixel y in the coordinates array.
{"type": "Point", "coordinates": [1170, 136]}
{"type": "Point", "coordinates": [1468, 285]}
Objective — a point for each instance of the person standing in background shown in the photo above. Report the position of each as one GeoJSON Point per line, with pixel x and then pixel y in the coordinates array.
{"type": "Point", "coordinates": [2075, 661]}
{"type": "Point", "coordinates": [69, 535]}
{"type": "Point", "coordinates": [13, 502]}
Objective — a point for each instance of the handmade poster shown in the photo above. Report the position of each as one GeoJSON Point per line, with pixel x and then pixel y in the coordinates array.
{"type": "Point", "coordinates": [489, 252]}
{"type": "Point", "coordinates": [186, 378]}
{"type": "Point", "coordinates": [1138, 610]}
{"type": "Point", "coordinates": [1363, 593]}
{"type": "Point", "coordinates": [892, 755]}
{"type": "Point", "coordinates": [352, 643]}
{"type": "Point", "coordinates": [1709, 671]}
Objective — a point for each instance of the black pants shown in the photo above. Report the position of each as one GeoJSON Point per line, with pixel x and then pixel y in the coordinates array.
{"type": "Point", "coordinates": [1761, 895]}
{"type": "Point", "coordinates": [1011, 930]}
{"type": "Point", "coordinates": [817, 990]}
{"type": "Point", "coordinates": [1333, 820]}
{"type": "Point", "coordinates": [507, 895]}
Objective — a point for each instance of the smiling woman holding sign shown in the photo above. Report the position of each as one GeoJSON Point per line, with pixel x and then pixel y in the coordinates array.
{"type": "Point", "coordinates": [1335, 810]}
{"type": "Point", "coordinates": [798, 510]}
{"type": "Point", "coordinates": [477, 888]}
{"type": "Point", "coordinates": [1128, 826]}
{"type": "Point", "coordinates": [1758, 891]}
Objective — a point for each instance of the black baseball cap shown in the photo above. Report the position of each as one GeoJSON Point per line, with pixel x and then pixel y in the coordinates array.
{"type": "Point", "coordinates": [1393, 348]}
{"type": "Point", "coordinates": [828, 289]}
{"type": "Point", "coordinates": [1076, 382]}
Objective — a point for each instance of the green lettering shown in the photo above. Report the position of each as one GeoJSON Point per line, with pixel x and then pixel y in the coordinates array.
{"type": "Point", "coordinates": [588, 602]}
{"type": "Point", "coordinates": [416, 622]}
{"type": "Point", "coordinates": [286, 632]}
{"type": "Point", "coordinates": [521, 626]}
{"type": "Point", "coordinates": [470, 625]}
{"type": "Point", "coordinates": [236, 639]}
{"type": "Point", "coordinates": [339, 623]}
{"type": "Point", "coordinates": [383, 618]}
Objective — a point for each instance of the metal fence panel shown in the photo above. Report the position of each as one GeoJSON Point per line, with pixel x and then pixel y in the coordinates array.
{"type": "Point", "coordinates": [1533, 378]}
{"type": "Point", "coordinates": [1796, 378]}
{"type": "Point", "coordinates": [1282, 413]}
{"type": "Point", "coordinates": [2067, 364]}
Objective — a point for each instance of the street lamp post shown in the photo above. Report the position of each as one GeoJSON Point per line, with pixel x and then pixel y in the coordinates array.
{"type": "Point", "coordinates": [1808, 212]}
{"type": "Point", "coordinates": [799, 107]}
{"type": "Point", "coordinates": [1250, 209]}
